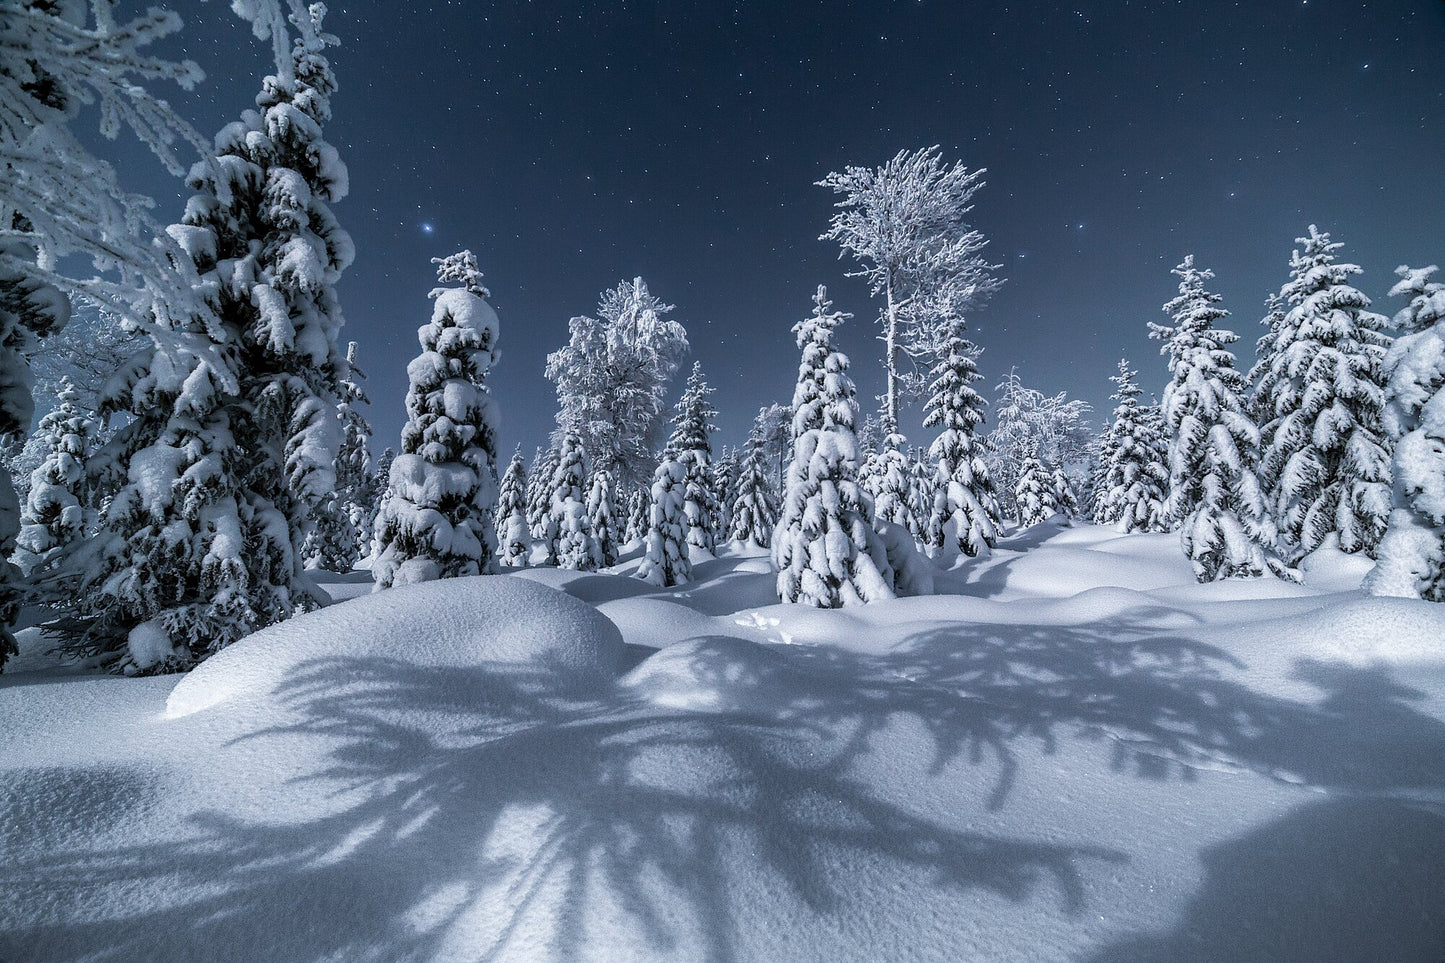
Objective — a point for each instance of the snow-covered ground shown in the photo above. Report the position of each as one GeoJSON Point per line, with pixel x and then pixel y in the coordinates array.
{"type": "Point", "coordinates": [1077, 754]}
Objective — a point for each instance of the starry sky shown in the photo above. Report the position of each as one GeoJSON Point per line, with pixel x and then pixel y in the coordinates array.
{"type": "Point", "coordinates": [572, 145]}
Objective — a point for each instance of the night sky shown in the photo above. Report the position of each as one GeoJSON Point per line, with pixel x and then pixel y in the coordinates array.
{"type": "Point", "coordinates": [573, 145]}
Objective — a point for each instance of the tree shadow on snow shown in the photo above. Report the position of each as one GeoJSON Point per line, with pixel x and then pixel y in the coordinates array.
{"type": "Point", "coordinates": [480, 813]}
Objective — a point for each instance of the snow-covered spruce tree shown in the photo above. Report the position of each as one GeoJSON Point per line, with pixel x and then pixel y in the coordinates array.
{"type": "Point", "coordinates": [690, 444]}
{"type": "Point", "coordinates": [231, 438]}
{"type": "Point", "coordinates": [602, 516]}
{"type": "Point", "coordinates": [1325, 460]}
{"type": "Point", "coordinates": [539, 493]}
{"type": "Point", "coordinates": [56, 511]}
{"type": "Point", "coordinates": [755, 510]}
{"type": "Point", "coordinates": [725, 477]}
{"type": "Point", "coordinates": [1262, 377]}
{"type": "Point", "coordinates": [904, 223]}
{"type": "Point", "coordinates": [1412, 553]}
{"type": "Point", "coordinates": [921, 490]}
{"type": "Point", "coordinates": [380, 489]}
{"type": "Point", "coordinates": [1214, 496]}
{"type": "Point", "coordinates": [774, 425]}
{"type": "Point", "coordinates": [1030, 424]}
{"type": "Point", "coordinates": [514, 538]}
{"type": "Point", "coordinates": [1065, 501]}
{"type": "Point", "coordinates": [570, 541]}
{"type": "Point", "coordinates": [438, 521]}
{"type": "Point", "coordinates": [892, 486]}
{"type": "Point", "coordinates": [1135, 481]}
{"type": "Point", "coordinates": [964, 514]}
{"type": "Point", "coordinates": [612, 379]}
{"type": "Point", "coordinates": [344, 519]}
{"type": "Point", "coordinates": [666, 561]}
{"type": "Point", "coordinates": [637, 516]}
{"type": "Point", "coordinates": [824, 546]}
{"type": "Point", "coordinates": [1034, 493]}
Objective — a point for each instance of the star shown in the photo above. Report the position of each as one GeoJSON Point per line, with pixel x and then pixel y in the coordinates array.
{"type": "Point", "coordinates": [427, 227]}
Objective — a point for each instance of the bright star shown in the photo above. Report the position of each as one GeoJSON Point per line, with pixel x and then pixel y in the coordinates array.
{"type": "Point", "coordinates": [427, 228]}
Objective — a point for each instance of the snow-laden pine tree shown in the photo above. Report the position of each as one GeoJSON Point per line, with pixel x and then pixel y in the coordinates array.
{"type": "Point", "coordinates": [231, 440]}
{"type": "Point", "coordinates": [344, 519]}
{"type": "Point", "coordinates": [921, 490]}
{"type": "Point", "coordinates": [1031, 424]}
{"type": "Point", "coordinates": [57, 511]}
{"type": "Point", "coordinates": [904, 222]}
{"type": "Point", "coordinates": [666, 561]}
{"type": "Point", "coordinates": [514, 538]}
{"type": "Point", "coordinates": [438, 521]}
{"type": "Point", "coordinates": [612, 379]}
{"type": "Point", "coordinates": [1214, 496]}
{"type": "Point", "coordinates": [1412, 553]}
{"type": "Point", "coordinates": [1034, 493]}
{"type": "Point", "coordinates": [380, 490]}
{"type": "Point", "coordinates": [824, 546]}
{"type": "Point", "coordinates": [570, 541]}
{"type": "Point", "coordinates": [893, 486]}
{"type": "Point", "coordinates": [1261, 378]}
{"type": "Point", "coordinates": [964, 516]}
{"type": "Point", "coordinates": [725, 478]}
{"type": "Point", "coordinates": [774, 425]}
{"type": "Point", "coordinates": [755, 509]}
{"type": "Point", "coordinates": [539, 491]}
{"type": "Point", "coordinates": [602, 516]}
{"type": "Point", "coordinates": [1134, 484]}
{"type": "Point", "coordinates": [1066, 502]}
{"type": "Point", "coordinates": [691, 430]}
{"type": "Point", "coordinates": [1325, 460]}
{"type": "Point", "coordinates": [637, 516]}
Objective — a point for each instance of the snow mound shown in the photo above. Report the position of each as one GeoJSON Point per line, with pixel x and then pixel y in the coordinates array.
{"type": "Point", "coordinates": [716, 674]}
{"type": "Point", "coordinates": [488, 621]}
{"type": "Point", "coordinates": [657, 623]}
{"type": "Point", "coordinates": [1368, 631]}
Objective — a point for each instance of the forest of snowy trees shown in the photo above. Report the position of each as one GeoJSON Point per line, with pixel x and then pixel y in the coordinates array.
{"type": "Point", "coordinates": [183, 477]}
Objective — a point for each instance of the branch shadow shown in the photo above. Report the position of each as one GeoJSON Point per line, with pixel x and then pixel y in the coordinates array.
{"type": "Point", "coordinates": [481, 813]}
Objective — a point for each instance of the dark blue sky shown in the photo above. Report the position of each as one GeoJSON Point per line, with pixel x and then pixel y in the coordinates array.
{"type": "Point", "coordinates": [571, 146]}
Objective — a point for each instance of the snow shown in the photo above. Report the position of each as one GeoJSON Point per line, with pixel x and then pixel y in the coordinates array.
{"type": "Point", "coordinates": [1073, 751]}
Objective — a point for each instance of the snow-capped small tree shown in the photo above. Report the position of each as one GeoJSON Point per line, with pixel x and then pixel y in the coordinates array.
{"type": "Point", "coordinates": [514, 538]}
{"type": "Point", "coordinates": [637, 516]}
{"type": "Point", "coordinates": [1213, 446]}
{"type": "Point", "coordinates": [725, 477]}
{"type": "Point", "coordinates": [438, 520]}
{"type": "Point", "coordinates": [921, 490]}
{"type": "Point", "coordinates": [964, 516]}
{"type": "Point", "coordinates": [56, 511]}
{"type": "Point", "coordinates": [1261, 376]}
{"type": "Point", "coordinates": [1030, 424]}
{"type": "Point", "coordinates": [1034, 494]}
{"type": "Point", "coordinates": [612, 379]}
{"type": "Point", "coordinates": [774, 427]}
{"type": "Point", "coordinates": [380, 489]}
{"type": "Point", "coordinates": [1325, 461]}
{"type": "Point", "coordinates": [539, 492]}
{"type": "Point", "coordinates": [824, 546]}
{"type": "Point", "coordinates": [1134, 484]}
{"type": "Point", "coordinates": [570, 541]}
{"type": "Point", "coordinates": [602, 516]}
{"type": "Point", "coordinates": [904, 222]}
{"type": "Point", "coordinates": [1412, 553]}
{"type": "Point", "coordinates": [893, 485]}
{"type": "Point", "coordinates": [755, 510]}
{"type": "Point", "coordinates": [666, 561]}
{"type": "Point", "coordinates": [344, 519]}
{"type": "Point", "coordinates": [690, 444]}
{"type": "Point", "coordinates": [1065, 501]}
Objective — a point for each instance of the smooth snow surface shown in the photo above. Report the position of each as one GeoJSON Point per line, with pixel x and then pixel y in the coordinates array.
{"type": "Point", "coordinates": [1077, 753]}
